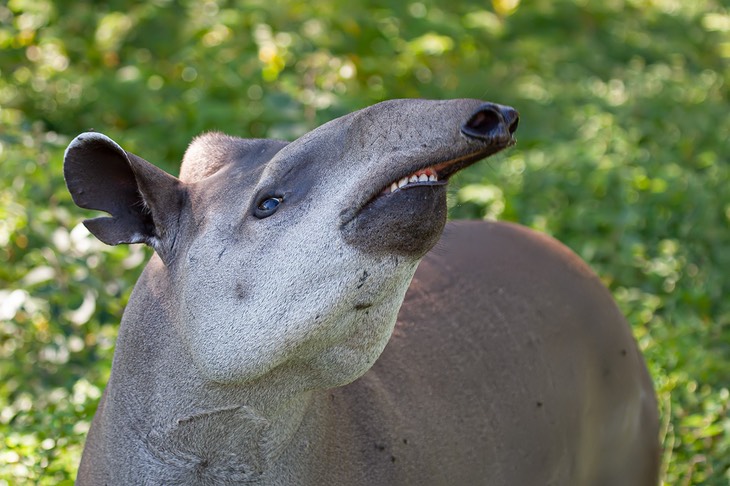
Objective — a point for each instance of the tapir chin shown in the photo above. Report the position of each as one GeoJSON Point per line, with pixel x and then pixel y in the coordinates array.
{"type": "Point", "coordinates": [279, 336]}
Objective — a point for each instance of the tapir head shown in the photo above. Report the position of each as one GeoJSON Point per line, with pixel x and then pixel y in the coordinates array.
{"type": "Point", "coordinates": [295, 255]}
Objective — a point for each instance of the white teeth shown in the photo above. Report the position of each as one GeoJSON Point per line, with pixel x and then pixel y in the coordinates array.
{"type": "Point", "coordinates": [412, 179]}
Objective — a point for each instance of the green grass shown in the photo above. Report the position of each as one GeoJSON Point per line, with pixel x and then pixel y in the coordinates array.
{"type": "Point", "coordinates": [622, 155]}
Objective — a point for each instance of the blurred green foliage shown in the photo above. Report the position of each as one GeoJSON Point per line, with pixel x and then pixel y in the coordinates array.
{"type": "Point", "coordinates": [623, 155]}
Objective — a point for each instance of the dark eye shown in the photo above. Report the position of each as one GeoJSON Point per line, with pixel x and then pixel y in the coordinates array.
{"type": "Point", "coordinates": [268, 206]}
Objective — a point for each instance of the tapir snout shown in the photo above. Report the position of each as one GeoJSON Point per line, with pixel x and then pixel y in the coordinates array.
{"type": "Point", "coordinates": [404, 209]}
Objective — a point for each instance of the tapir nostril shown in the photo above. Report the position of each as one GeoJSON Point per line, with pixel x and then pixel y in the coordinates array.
{"type": "Point", "coordinates": [492, 122]}
{"type": "Point", "coordinates": [484, 123]}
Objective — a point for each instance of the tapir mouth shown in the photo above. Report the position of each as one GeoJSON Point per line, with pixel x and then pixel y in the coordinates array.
{"type": "Point", "coordinates": [421, 175]}
{"type": "Point", "coordinates": [438, 174]}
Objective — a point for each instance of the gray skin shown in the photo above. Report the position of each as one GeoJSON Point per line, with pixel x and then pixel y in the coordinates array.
{"type": "Point", "coordinates": [247, 352]}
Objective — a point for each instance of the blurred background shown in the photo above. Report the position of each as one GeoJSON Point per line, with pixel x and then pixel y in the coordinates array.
{"type": "Point", "coordinates": [622, 154]}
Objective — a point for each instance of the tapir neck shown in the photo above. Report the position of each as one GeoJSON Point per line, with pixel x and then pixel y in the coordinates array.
{"type": "Point", "coordinates": [159, 409]}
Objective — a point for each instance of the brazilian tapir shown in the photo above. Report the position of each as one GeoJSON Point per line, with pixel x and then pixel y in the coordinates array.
{"type": "Point", "coordinates": [278, 336]}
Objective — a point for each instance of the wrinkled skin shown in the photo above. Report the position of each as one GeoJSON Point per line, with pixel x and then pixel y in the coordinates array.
{"type": "Point", "coordinates": [279, 274]}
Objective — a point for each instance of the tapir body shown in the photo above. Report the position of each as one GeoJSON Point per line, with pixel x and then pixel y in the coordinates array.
{"type": "Point", "coordinates": [253, 348]}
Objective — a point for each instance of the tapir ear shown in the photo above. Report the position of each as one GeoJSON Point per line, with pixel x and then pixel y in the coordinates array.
{"type": "Point", "coordinates": [144, 201]}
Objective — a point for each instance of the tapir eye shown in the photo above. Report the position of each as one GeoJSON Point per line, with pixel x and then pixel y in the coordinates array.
{"type": "Point", "coordinates": [268, 206]}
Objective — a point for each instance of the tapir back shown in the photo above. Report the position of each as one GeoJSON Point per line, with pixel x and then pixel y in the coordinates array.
{"type": "Point", "coordinates": [509, 364]}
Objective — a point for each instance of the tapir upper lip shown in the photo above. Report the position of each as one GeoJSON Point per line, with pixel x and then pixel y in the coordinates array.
{"type": "Point", "coordinates": [445, 169]}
